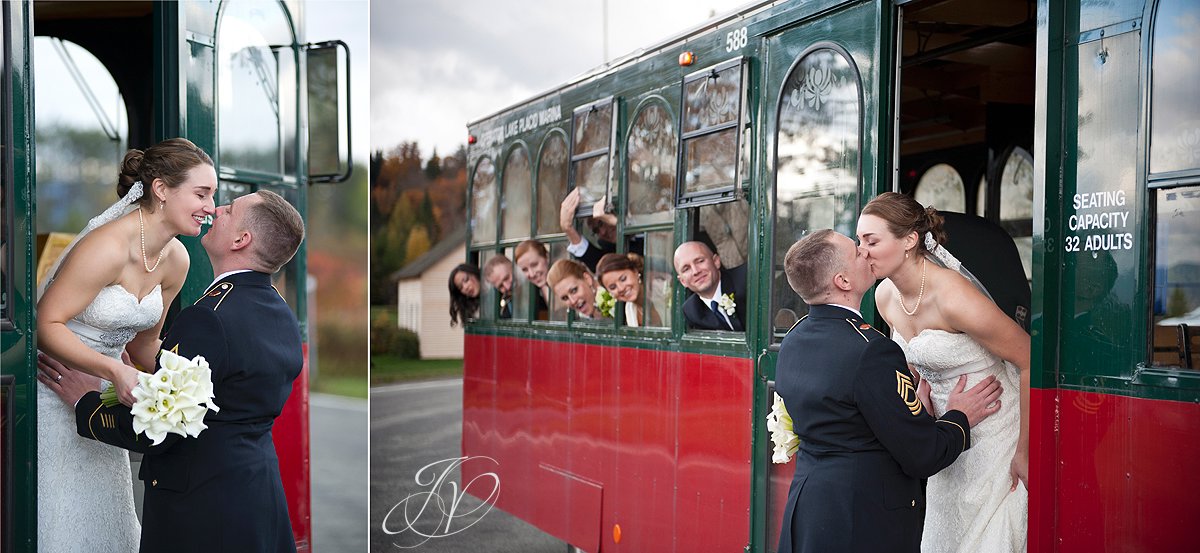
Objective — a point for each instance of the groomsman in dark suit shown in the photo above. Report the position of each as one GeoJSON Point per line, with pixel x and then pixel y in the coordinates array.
{"type": "Point", "coordinates": [220, 491]}
{"type": "Point", "coordinates": [719, 294]}
{"type": "Point", "coordinates": [498, 272]}
{"type": "Point", "coordinates": [866, 438]}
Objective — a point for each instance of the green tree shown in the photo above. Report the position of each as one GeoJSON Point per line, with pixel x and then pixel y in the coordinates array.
{"type": "Point", "coordinates": [1177, 304]}
{"type": "Point", "coordinates": [418, 243]}
{"type": "Point", "coordinates": [433, 167]}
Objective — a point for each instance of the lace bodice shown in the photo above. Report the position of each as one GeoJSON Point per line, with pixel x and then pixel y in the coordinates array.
{"type": "Point", "coordinates": [940, 355]}
{"type": "Point", "coordinates": [112, 319]}
{"type": "Point", "coordinates": [85, 490]}
{"type": "Point", "coordinates": [969, 506]}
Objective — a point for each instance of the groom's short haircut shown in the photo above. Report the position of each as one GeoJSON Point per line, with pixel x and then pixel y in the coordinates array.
{"type": "Point", "coordinates": [811, 263]}
{"type": "Point", "coordinates": [277, 228]}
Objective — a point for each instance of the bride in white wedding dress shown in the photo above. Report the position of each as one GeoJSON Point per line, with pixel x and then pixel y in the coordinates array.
{"type": "Point", "coordinates": [947, 327]}
{"type": "Point", "coordinates": [106, 295]}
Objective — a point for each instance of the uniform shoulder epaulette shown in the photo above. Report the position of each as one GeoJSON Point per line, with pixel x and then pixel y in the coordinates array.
{"type": "Point", "coordinates": [215, 296]}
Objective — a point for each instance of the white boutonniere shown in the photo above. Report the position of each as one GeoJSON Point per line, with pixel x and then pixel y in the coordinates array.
{"type": "Point", "coordinates": [779, 424]}
{"type": "Point", "coordinates": [727, 305]}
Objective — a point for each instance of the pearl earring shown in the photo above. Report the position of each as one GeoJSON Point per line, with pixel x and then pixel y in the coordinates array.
{"type": "Point", "coordinates": [905, 255]}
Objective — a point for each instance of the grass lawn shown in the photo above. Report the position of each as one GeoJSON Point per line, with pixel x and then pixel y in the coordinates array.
{"type": "Point", "coordinates": [387, 369]}
{"type": "Point", "coordinates": [349, 386]}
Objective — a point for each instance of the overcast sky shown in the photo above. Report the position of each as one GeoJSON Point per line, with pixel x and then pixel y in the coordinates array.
{"type": "Point", "coordinates": [437, 65]}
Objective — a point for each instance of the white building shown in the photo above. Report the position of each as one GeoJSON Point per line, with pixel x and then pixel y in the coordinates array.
{"type": "Point", "coordinates": [424, 298]}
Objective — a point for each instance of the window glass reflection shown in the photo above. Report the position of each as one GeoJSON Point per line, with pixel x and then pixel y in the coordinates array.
{"type": "Point", "coordinates": [726, 226]}
{"type": "Point", "coordinates": [516, 198]}
{"type": "Point", "coordinates": [657, 279]}
{"type": "Point", "coordinates": [592, 130]}
{"type": "Point", "coordinates": [1177, 276]}
{"type": "Point", "coordinates": [80, 144]}
{"type": "Point", "coordinates": [711, 111]}
{"type": "Point", "coordinates": [256, 86]}
{"type": "Point", "coordinates": [551, 183]}
{"type": "Point", "coordinates": [941, 187]}
{"type": "Point", "coordinates": [651, 179]}
{"type": "Point", "coordinates": [1098, 297]}
{"type": "Point", "coordinates": [817, 162]}
{"type": "Point", "coordinates": [483, 203]}
{"type": "Point", "coordinates": [1174, 111]}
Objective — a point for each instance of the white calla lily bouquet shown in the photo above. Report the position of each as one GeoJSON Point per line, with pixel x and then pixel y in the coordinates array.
{"type": "Point", "coordinates": [173, 400]}
{"type": "Point", "coordinates": [779, 423]}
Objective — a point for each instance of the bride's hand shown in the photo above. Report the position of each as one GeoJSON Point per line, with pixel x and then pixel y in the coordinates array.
{"type": "Point", "coordinates": [125, 380]}
{"type": "Point", "coordinates": [1018, 469]}
{"type": "Point", "coordinates": [923, 395]}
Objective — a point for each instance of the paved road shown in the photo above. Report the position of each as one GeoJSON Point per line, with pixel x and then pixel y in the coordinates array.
{"type": "Point", "coordinates": [338, 453]}
{"type": "Point", "coordinates": [413, 425]}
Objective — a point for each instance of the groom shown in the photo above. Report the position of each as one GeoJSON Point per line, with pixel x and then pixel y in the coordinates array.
{"type": "Point", "coordinates": [220, 491]}
{"type": "Point", "coordinates": [866, 440]}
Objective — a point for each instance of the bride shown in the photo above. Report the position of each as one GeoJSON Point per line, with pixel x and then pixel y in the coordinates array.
{"type": "Point", "coordinates": [106, 295]}
{"type": "Point", "coordinates": [947, 327]}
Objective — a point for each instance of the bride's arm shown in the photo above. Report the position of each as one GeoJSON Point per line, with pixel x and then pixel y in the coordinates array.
{"type": "Point", "coordinates": [144, 347]}
{"type": "Point", "coordinates": [95, 262]}
{"type": "Point", "coordinates": [977, 315]}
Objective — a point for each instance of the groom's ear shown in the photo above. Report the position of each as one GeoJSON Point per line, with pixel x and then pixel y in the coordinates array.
{"type": "Point", "coordinates": [242, 241]}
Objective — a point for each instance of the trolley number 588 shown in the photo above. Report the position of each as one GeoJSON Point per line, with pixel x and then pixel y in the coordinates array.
{"type": "Point", "coordinates": [735, 39]}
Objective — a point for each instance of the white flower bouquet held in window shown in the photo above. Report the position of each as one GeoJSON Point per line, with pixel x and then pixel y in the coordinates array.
{"type": "Point", "coordinates": [605, 302]}
{"type": "Point", "coordinates": [173, 400]}
{"type": "Point", "coordinates": [779, 423]}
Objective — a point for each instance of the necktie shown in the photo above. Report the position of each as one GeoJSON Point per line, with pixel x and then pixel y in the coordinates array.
{"type": "Point", "coordinates": [717, 309]}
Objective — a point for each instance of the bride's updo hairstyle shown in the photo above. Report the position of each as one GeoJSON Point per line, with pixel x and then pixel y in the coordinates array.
{"type": "Point", "coordinates": [169, 160]}
{"type": "Point", "coordinates": [904, 215]}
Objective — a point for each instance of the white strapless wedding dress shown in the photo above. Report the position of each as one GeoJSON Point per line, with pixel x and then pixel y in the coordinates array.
{"type": "Point", "coordinates": [969, 508]}
{"type": "Point", "coordinates": [85, 490]}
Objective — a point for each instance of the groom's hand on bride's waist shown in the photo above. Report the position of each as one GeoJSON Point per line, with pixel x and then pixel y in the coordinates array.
{"type": "Point", "coordinates": [69, 384]}
{"type": "Point", "coordinates": [978, 403]}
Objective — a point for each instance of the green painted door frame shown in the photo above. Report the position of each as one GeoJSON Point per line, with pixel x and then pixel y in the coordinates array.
{"type": "Point", "coordinates": [866, 31]}
{"type": "Point", "coordinates": [18, 337]}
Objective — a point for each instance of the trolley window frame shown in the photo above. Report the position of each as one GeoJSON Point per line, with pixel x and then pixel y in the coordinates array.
{"type": "Point", "coordinates": [727, 192]}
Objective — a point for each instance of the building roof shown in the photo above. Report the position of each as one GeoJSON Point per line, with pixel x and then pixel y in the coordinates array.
{"type": "Point", "coordinates": [437, 253]}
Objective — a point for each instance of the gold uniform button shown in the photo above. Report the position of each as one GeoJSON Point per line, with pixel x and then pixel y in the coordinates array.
{"type": "Point", "coordinates": [914, 503]}
{"type": "Point", "coordinates": [154, 482]}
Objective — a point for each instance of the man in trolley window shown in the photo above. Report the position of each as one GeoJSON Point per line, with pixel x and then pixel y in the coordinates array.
{"type": "Point", "coordinates": [717, 293]}
{"type": "Point", "coordinates": [498, 271]}
{"type": "Point", "coordinates": [866, 438]}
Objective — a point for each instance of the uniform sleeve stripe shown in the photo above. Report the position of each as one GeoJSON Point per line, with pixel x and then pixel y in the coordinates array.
{"type": "Point", "coordinates": [90, 417]}
{"type": "Point", "coordinates": [960, 429]}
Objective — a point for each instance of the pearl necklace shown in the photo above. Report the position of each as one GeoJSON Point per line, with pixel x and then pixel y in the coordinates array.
{"type": "Point", "coordinates": [921, 294]}
{"type": "Point", "coordinates": [146, 262]}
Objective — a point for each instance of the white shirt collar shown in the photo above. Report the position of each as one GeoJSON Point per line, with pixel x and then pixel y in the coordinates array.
{"type": "Point", "coordinates": [856, 312]}
{"type": "Point", "coordinates": [225, 274]}
{"type": "Point", "coordinates": [716, 294]}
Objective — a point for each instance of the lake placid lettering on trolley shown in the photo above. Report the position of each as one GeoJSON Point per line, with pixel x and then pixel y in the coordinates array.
{"type": "Point", "coordinates": [1100, 218]}
{"type": "Point", "coordinates": [439, 511]}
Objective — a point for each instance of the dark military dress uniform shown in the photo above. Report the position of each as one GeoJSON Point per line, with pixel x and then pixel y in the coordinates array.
{"type": "Point", "coordinates": [220, 491]}
{"type": "Point", "coordinates": [866, 441]}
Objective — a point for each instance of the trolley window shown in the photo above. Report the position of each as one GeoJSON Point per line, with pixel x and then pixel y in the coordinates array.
{"type": "Point", "coordinates": [516, 197]}
{"type": "Point", "coordinates": [257, 87]}
{"type": "Point", "coordinates": [650, 179]}
{"type": "Point", "coordinates": [551, 182]}
{"type": "Point", "coordinates": [1175, 186]}
{"type": "Point", "coordinates": [818, 144]}
{"type": "Point", "coordinates": [591, 145]}
{"type": "Point", "coordinates": [713, 115]}
{"type": "Point", "coordinates": [483, 203]}
{"type": "Point", "coordinates": [1175, 78]}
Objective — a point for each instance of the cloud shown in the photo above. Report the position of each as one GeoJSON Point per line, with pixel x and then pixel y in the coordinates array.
{"type": "Point", "coordinates": [435, 66]}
